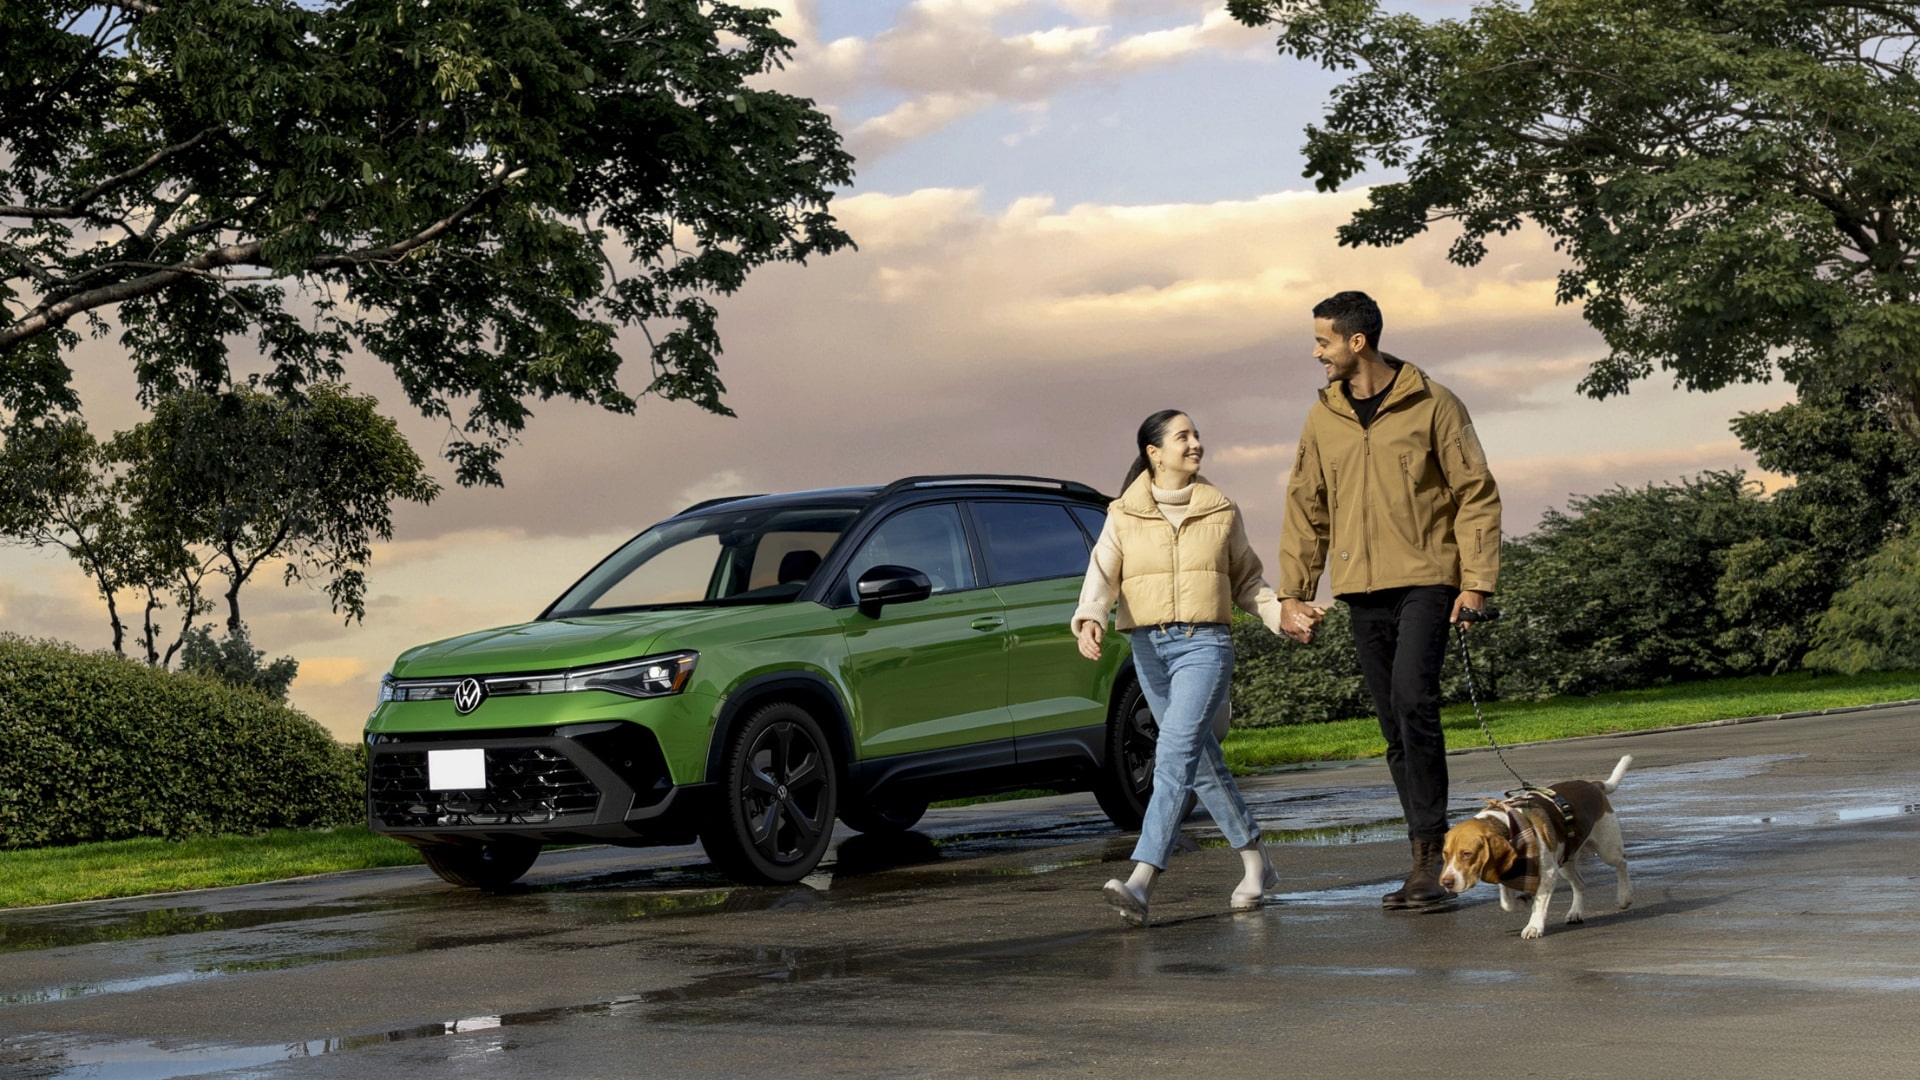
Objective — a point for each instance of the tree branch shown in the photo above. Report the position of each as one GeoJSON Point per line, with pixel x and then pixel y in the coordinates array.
{"type": "Point", "coordinates": [78, 207]}
{"type": "Point", "coordinates": [418, 240]}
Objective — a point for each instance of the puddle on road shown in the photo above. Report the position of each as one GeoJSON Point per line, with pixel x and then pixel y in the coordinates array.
{"type": "Point", "coordinates": [31, 929]}
{"type": "Point", "coordinates": [62, 1057]}
{"type": "Point", "coordinates": [59, 1058]}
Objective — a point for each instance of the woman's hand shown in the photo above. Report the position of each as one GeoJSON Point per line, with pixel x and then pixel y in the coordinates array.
{"type": "Point", "coordinates": [1299, 619]}
{"type": "Point", "coordinates": [1090, 634]}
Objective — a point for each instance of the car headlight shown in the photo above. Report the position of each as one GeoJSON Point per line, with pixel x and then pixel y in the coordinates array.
{"type": "Point", "coordinates": [386, 689]}
{"type": "Point", "coordinates": [647, 677]}
{"type": "Point", "coordinates": [654, 676]}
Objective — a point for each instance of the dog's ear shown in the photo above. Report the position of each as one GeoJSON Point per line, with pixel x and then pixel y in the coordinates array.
{"type": "Point", "coordinates": [1500, 859]}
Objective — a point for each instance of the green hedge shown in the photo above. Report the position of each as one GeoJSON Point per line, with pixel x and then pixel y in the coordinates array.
{"type": "Point", "coordinates": [1277, 680]}
{"type": "Point", "coordinates": [94, 746]}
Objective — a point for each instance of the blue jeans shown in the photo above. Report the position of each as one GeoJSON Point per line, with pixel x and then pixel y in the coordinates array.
{"type": "Point", "coordinates": [1184, 669]}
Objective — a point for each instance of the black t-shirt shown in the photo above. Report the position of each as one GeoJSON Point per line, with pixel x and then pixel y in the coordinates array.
{"type": "Point", "coordinates": [1365, 407]}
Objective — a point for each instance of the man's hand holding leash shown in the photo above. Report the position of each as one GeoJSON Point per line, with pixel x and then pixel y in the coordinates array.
{"type": "Point", "coordinates": [1468, 600]}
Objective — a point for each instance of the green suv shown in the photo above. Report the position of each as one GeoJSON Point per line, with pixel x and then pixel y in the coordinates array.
{"type": "Point", "coordinates": [752, 668]}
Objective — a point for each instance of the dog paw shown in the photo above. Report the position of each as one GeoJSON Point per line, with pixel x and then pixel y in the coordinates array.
{"type": "Point", "coordinates": [1575, 919]}
{"type": "Point", "coordinates": [1532, 932]}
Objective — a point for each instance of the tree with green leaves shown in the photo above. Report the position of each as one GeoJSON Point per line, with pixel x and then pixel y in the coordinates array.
{"type": "Point", "coordinates": [1856, 483]}
{"type": "Point", "coordinates": [58, 488]}
{"type": "Point", "coordinates": [1735, 184]}
{"type": "Point", "coordinates": [1874, 623]}
{"type": "Point", "coordinates": [480, 194]}
{"type": "Point", "coordinates": [247, 478]}
{"type": "Point", "coordinates": [215, 483]}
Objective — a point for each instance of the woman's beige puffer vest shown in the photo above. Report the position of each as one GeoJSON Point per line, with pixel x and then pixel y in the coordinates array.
{"type": "Point", "coordinates": [1174, 575]}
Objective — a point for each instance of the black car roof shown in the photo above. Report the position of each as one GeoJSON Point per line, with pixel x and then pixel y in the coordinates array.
{"type": "Point", "coordinates": [860, 496]}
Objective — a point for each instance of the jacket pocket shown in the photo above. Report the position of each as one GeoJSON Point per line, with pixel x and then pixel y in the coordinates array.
{"type": "Point", "coordinates": [1333, 486]}
{"type": "Point", "coordinates": [1414, 516]}
{"type": "Point", "coordinates": [1466, 447]}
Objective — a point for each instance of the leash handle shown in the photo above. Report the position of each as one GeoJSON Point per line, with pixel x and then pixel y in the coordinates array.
{"type": "Point", "coordinates": [1470, 615]}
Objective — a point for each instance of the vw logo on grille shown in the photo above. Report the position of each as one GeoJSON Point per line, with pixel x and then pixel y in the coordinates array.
{"type": "Point", "coordinates": [468, 695]}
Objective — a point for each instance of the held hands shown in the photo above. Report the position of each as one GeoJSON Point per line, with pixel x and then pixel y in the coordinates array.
{"type": "Point", "coordinates": [1090, 634]}
{"type": "Point", "coordinates": [1299, 619]}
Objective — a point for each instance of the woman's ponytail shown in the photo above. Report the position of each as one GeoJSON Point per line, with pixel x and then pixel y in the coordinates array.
{"type": "Point", "coordinates": [1152, 430]}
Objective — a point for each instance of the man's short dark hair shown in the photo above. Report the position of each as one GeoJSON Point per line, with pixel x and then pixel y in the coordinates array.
{"type": "Point", "coordinates": [1352, 313]}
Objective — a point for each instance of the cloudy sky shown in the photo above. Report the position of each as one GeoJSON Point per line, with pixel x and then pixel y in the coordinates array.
{"type": "Point", "coordinates": [1070, 214]}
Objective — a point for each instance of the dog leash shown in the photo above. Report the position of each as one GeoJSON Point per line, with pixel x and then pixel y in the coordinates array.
{"type": "Point", "coordinates": [1469, 615]}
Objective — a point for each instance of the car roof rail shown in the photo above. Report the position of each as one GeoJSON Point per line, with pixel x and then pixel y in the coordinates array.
{"type": "Point", "coordinates": [1074, 487]}
{"type": "Point", "coordinates": [704, 503]}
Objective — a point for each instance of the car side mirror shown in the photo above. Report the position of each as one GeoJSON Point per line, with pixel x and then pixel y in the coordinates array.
{"type": "Point", "coordinates": [883, 585]}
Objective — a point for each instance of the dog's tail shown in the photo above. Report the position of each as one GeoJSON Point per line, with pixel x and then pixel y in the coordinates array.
{"type": "Point", "coordinates": [1619, 771]}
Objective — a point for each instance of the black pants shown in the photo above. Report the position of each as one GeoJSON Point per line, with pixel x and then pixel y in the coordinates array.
{"type": "Point", "coordinates": [1401, 635]}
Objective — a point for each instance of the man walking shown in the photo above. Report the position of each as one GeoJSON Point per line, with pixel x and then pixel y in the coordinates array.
{"type": "Point", "coordinates": [1391, 490]}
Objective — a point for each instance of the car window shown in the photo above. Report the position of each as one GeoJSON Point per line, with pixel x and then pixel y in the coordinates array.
{"type": "Point", "coordinates": [929, 539]}
{"type": "Point", "coordinates": [676, 575]}
{"type": "Point", "coordinates": [1093, 519]}
{"type": "Point", "coordinates": [1028, 541]}
{"type": "Point", "coordinates": [746, 557]}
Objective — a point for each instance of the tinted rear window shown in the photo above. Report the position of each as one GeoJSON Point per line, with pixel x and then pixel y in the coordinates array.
{"type": "Point", "coordinates": [1027, 541]}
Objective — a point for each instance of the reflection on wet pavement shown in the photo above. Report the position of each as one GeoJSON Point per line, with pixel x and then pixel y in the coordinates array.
{"type": "Point", "coordinates": [1678, 820]}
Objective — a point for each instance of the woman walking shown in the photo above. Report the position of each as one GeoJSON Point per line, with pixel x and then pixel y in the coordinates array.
{"type": "Point", "coordinates": [1175, 555]}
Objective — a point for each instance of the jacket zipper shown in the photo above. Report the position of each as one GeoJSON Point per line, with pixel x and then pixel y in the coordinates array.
{"type": "Point", "coordinates": [1413, 495]}
{"type": "Point", "coordinates": [1366, 519]}
{"type": "Point", "coordinates": [1175, 598]}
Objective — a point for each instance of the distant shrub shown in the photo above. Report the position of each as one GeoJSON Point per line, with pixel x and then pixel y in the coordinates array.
{"type": "Point", "coordinates": [234, 661]}
{"type": "Point", "coordinates": [97, 747]}
{"type": "Point", "coordinates": [1874, 623]}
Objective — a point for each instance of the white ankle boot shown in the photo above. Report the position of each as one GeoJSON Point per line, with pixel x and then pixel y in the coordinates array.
{"type": "Point", "coordinates": [1260, 878]}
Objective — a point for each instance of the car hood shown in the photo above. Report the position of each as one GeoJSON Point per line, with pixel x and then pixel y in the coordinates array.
{"type": "Point", "coordinates": [554, 644]}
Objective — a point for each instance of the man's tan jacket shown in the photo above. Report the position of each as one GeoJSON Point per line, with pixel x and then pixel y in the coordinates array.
{"type": "Point", "coordinates": [1406, 501]}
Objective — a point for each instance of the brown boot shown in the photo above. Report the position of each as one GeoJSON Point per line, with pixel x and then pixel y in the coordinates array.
{"type": "Point", "coordinates": [1422, 890]}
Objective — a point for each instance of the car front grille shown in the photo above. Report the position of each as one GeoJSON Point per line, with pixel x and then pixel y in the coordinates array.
{"type": "Point", "coordinates": [530, 785]}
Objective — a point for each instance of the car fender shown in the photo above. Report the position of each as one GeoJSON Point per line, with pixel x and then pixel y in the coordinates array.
{"type": "Point", "coordinates": [807, 688]}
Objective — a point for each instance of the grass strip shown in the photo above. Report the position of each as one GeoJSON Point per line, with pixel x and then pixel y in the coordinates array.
{"type": "Point", "coordinates": [111, 868]}
{"type": "Point", "coordinates": [1512, 722]}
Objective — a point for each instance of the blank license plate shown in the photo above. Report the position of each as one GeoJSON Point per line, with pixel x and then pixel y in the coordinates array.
{"type": "Point", "coordinates": [456, 770]}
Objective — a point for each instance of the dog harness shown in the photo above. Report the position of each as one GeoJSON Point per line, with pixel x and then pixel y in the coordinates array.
{"type": "Point", "coordinates": [1539, 820]}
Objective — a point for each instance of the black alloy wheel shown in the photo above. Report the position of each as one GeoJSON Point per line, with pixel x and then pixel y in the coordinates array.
{"type": "Point", "coordinates": [488, 864]}
{"type": "Point", "coordinates": [779, 788]}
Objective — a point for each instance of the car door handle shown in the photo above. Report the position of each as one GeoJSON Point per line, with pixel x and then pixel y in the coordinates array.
{"type": "Point", "coordinates": [989, 622]}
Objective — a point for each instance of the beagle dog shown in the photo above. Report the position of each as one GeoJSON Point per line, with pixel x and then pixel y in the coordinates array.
{"type": "Point", "coordinates": [1526, 842]}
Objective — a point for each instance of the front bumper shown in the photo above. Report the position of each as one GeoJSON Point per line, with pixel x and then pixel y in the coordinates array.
{"type": "Point", "coordinates": [598, 782]}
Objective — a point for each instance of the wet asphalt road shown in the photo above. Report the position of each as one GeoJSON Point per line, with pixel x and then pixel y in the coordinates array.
{"type": "Point", "coordinates": [1773, 933]}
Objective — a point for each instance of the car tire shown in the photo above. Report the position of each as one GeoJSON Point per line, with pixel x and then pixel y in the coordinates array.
{"type": "Point", "coordinates": [490, 864]}
{"type": "Point", "coordinates": [1125, 784]}
{"type": "Point", "coordinates": [882, 816]}
{"type": "Point", "coordinates": [778, 791]}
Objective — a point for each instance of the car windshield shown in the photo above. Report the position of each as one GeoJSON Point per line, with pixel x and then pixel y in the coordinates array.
{"type": "Point", "coordinates": [743, 557]}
